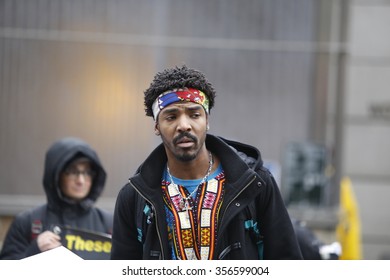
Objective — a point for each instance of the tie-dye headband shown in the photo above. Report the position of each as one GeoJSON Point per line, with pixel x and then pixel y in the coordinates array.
{"type": "Point", "coordinates": [176, 95]}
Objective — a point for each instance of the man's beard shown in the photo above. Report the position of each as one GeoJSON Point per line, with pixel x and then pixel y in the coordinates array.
{"type": "Point", "coordinates": [186, 155]}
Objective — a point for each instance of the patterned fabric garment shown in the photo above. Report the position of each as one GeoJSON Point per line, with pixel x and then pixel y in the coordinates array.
{"type": "Point", "coordinates": [176, 95]}
{"type": "Point", "coordinates": [193, 232]}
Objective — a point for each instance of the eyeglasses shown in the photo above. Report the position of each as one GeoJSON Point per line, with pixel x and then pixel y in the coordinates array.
{"type": "Point", "coordinates": [74, 173]}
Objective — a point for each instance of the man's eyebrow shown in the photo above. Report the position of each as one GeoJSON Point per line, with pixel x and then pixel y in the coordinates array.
{"type": "Point", "coordinates": [169, 111]}
{"type": "Point", "coordinates": [194, 107]}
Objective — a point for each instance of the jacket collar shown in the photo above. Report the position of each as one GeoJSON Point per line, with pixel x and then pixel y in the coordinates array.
{"type": "Point", "coordinates": [235, 166]}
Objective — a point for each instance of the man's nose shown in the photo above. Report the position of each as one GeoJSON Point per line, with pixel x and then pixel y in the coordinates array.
{"type": "Point", "coordinates": [81, 177]}
{"type": "Point", "coordinates": [184, 124]}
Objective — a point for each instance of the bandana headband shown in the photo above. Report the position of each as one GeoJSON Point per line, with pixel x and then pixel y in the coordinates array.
{"type": "Point", "coordinates": [176, 95]}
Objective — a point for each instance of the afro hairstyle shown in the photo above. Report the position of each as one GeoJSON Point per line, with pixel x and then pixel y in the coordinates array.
{"type": "Point", "coordinates": [177, 77]}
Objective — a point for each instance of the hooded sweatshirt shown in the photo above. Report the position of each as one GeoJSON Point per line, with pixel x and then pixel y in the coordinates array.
{"type": "Point", "coordinates": [78, 221]}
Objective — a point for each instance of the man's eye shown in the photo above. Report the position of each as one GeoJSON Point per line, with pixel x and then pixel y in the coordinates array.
{"type": "Point", "coordinates": [171, 117]}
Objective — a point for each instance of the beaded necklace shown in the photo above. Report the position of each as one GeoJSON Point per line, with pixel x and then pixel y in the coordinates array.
{"type": "Point", "coordinates": [184, 202]}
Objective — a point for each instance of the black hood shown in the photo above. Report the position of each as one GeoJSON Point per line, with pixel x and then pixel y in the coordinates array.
{"type": "Point", "coordinates": [57, 157]}
{"type": "Point", "coordinates": [249, 154]}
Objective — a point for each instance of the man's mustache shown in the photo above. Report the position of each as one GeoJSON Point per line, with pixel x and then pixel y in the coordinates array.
{"type": "Point", "coordinates": [184, 135]}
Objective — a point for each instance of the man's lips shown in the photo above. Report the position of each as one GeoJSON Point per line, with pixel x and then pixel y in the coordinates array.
{"type": "Point", "coordinates": [185, 142]}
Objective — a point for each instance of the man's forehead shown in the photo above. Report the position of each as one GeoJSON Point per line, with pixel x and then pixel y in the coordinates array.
{"type": "Point", "coordinates": [78, 164]}
{"type": "Point", "coordinates": [186, 105]}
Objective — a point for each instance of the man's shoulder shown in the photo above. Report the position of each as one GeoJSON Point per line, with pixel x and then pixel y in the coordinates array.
{"type": "Point", "coordinates": [28, 213]}
{"type": "Point", "coordinates": [25, 218]}
{"type": "Point", "coordinates": [127, 192]}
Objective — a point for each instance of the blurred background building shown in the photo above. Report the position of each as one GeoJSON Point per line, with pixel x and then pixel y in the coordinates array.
{"type": "Point", "coordinates": [306, 81]}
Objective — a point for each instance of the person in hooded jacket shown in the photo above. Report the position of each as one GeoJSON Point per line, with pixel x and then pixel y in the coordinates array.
{"type": "Point", "coordinates": [73, 180]}
{"type": "Point", "coordinates": [198, 196]}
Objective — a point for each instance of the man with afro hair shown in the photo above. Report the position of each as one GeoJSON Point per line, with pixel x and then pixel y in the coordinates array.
{"type": "Point", "coordinates": [198, 196]}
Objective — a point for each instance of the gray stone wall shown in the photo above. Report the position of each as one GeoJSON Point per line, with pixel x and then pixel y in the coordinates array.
{"type": "Point", "coordinates": [366, 145]}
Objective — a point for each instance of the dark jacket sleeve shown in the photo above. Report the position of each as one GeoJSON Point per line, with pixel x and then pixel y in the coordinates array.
{"type": "Point", "coordinates": [125, 244]}
{"type": "Point", "coordinates": [18, 243]}
{"type": "Point", "coordinates": [280, 242]}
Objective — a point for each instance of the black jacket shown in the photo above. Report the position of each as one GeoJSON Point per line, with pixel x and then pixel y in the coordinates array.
{"type": "Point", "coordinates": [20, 240]}
{"type": "Point", "coordinates": [148, 239]}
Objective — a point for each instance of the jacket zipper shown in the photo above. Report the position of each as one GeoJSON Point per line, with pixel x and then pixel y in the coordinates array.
{"type": "Point", "coordinates": [243, 189]}
{"type": "Point", "coordinates": [153, 208]}
{"type": "Point", "coordinates": [158, 232]}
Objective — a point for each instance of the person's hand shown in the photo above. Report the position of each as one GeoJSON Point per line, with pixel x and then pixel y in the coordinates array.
{"type": "Point", "coordinates": [48, 240]}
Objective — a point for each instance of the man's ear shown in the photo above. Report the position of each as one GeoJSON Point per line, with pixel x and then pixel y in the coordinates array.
{"type": "Point", "coordinates": [156, 130]}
